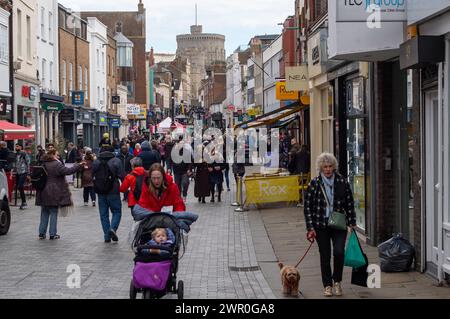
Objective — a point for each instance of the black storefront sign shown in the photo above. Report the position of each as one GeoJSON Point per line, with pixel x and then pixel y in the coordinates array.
{"type": "Point", "coordinates": [421, 51]}
{"type": "Point", "coordinates": [116, 99]}
{"type": "Point", "coordinates": [67, 115]}
{"type": "Point", "coordinates": [3, 106]}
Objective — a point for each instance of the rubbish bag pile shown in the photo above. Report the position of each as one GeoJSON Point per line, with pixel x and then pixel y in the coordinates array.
{"type": "Point", "coordinates": [396, 254]}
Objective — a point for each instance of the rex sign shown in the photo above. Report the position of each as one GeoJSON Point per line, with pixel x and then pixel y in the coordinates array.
{"type": "Point", "coordinates": [272, 190]}
{"type": "Point", "coordinates": [282, 94]}
{"type": "Point", "coordinates": [360, 10]}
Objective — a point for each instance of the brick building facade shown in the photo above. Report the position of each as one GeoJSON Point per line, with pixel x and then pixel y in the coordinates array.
{"type": "Point", "coordinates": [133, 26]}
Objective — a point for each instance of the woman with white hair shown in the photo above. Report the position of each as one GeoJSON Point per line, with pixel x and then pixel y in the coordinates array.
{"type": "Point", "coordinates": [329, 193]}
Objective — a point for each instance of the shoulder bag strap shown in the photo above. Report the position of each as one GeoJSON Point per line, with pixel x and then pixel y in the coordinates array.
{"type": "Point", "coordinates": [324, 194]}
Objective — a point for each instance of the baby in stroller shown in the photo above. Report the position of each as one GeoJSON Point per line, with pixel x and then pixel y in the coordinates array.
{"type": "Point", "coordinates": [157, 244]}
{"type": "Point", "coordinates": [160, 237]}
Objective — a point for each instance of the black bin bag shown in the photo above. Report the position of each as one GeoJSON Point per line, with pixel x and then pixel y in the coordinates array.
{"type": "Point", "coordinates": [396, 254]}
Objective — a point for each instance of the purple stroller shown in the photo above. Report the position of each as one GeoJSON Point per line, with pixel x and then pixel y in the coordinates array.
{"type": "Point", "coordinates": [156, 266]}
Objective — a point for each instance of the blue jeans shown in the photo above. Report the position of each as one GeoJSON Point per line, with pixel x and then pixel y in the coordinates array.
{"type": "Point", "coordinates": [46, 214]}
{"type": "Point", "coordinates": [109, 202]}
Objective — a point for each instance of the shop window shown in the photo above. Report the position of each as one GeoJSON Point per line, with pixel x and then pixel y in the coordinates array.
{"type": "Point", "coordinates": [327, 119]}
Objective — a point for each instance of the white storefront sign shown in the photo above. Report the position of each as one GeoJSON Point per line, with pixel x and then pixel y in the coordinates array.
{"type": "Point", "coordinates": [133, 109]}
{"type": "Point", "coordinates": [358, 34]}
{"type": "Point", "coordinates": [361, 10]}
{"type": "Point", "coordinates": [297, 78]}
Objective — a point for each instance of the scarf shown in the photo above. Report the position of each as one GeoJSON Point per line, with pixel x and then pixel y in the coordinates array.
{"type": "Point", "coordinates": [329, 190]}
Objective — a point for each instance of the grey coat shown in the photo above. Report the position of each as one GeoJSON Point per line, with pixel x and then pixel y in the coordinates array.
{"type": "Point", "coordinates": [56, 192]}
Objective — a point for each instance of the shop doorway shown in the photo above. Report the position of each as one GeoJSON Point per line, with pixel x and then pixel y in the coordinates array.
{"type": "Point", "coordinates": [433, 178]}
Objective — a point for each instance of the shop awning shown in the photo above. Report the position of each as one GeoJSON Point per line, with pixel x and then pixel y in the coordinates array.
{"type": "Point", "coordinates": [272, 118]}
{"type": "Point", "coordinates": [11, 132]}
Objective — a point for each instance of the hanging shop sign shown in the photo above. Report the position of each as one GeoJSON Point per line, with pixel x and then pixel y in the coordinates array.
{"type": "Point", "coordinates": [115, 123]}
{"type": "Point", "coordinates": [116, 99]}
{"type": "Point", "coordinates": [421, 51]}
{"type": "Point", "coordinates": [102, 120]}
{"type": "Point", "coordinates": [282, 94]}
{"type": "Point", "coordinates": [78, 97]}
{"type": "Point", "coordinates": [297, 78]}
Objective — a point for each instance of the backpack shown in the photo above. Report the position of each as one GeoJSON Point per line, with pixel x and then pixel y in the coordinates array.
{"type": "Point", "coordinates": [103, 179]}
{"type": "Point", "coordinates": [138, 187]}
{"type": "Point", "coordinates": [39, 177]}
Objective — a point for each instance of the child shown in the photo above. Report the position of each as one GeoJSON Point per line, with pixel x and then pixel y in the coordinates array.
{"type": "Point", "coordinates": [159, 237]}
{"type": "Point", "coordinates": [133, 182]}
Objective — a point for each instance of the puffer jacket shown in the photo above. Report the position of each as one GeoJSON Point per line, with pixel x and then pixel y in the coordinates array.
{"type": "Point", "coordinates": [129, 183]}
{"type": "Point", "coordinates": [56, 192]}
{"type": "Point", "coordinates": [149, 156]}
{"type": "Point", "coordinates": [170, 197]}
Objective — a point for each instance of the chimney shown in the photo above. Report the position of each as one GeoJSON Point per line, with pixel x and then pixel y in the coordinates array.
{"type": "Point", "coordinates": [141, 8]}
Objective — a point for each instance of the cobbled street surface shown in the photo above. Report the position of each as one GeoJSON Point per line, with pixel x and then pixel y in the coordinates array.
{"type": "Point", "coordinates": [219, 262]}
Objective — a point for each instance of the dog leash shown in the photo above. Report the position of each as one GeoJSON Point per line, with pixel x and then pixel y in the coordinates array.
{"type": "Point", "coordinates": [307, 251]}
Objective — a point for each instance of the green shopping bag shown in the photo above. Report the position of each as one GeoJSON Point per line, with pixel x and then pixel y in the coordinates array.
{"type": "Point", "coordinates": [354, 256]}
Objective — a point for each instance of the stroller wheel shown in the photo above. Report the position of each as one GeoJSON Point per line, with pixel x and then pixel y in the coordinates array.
{"type": "Point", "coordinates": [180, 290]}
{"type": "Point", "coordinates": [147, 294]}
{"type": "Point", "coordinates": [133, 290]}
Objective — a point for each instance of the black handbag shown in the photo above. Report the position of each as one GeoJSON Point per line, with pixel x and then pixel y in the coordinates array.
{"type": "Point", "coordinates": [360, 275]}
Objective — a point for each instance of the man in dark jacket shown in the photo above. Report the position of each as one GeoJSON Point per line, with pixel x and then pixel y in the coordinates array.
{"type": "Point", "coordinates": [168, 151]}
{"type": "Point", "coordinates": [71, 154]}
{"type": "Point", "coordinates": [148, 156]}
{"type": "Point", "coordinates": [182, 169]}
{"type": "Point", "coordinates": [111, 200]}
{"type": "Point", "coordinates": [125, 158]}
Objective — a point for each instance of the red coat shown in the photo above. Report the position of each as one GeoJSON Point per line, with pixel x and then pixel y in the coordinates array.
{"type": "Point", "coordinates": [170, 197]}
{"type": "Point", "coordinates": [129, 183]}
{"type": "Point", "coordinates": [137, 152]}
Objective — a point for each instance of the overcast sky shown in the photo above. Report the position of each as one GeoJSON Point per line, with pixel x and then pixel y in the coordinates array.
{"type": "Point", "coordinates": [238, 20]}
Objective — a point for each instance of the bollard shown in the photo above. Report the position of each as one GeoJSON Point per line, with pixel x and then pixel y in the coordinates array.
{"type": "Point", "coordinates": [238, 191]}
{"type": "Point", "coordinates": [241, 208]}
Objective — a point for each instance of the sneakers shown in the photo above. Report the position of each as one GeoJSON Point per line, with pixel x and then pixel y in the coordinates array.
{"type": "Point", "coordinates": [23, 206]}
{"type": "Point", "coordinates": [85, 204]}
{"type": "Point", "coordinates": [93, 204]}
{"type": "Point", "coordinates": [328, 292]}
{"type": "Point", "coordinates": [337, 289]}
{"type": "Point", "coordinates": [55, 237]}
{"type": "Point", "coordinates": [107, 241]}
{"type": "Point", "coordinates": [113, 235]}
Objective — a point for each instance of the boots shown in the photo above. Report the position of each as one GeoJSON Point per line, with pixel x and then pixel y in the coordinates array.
{"type": "Point", "coordinates": [212, 196]}
{"type": "Point", "coordinates": [219, 199]}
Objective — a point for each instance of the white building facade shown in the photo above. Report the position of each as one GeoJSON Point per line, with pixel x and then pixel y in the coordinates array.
{"type": "Point", "coordinates": [48, 69]}
{"type": "Point", "coordinates": [98, 40]}
{"type": "Point", "coordinates": [271, 60]}
{"type": "Point", "coordinates": [5, 80]}
{"type": "Point", "coordinates": [26, 82]}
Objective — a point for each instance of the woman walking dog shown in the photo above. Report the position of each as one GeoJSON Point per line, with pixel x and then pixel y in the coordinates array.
{"type": "Point", "coordinates": [327, 195]}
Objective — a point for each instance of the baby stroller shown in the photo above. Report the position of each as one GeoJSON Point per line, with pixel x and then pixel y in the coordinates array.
{"type": "Point", "coordinates": [156, 266]}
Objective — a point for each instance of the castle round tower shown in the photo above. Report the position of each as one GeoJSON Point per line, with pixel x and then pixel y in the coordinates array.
{"type": "Point", "coordinates": [202, 49]}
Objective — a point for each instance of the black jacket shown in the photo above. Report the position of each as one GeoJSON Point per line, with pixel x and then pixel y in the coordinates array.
{"type": "Point", "coordinates": [125, 160]}
{"type": "Point", "coordinates": [149, 156]}
{"type": "Point", "coordinates": [182, 168]}
{"type": "Point", "coordinates": [72, 156]}
{"type": "Point", "coordinates": [114, 165]}
{"type": "Point", "coordinates": [316, 204]}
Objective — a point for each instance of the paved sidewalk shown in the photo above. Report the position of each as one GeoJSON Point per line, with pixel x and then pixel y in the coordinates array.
{"type": "Point", "coordinates": [287, 232]}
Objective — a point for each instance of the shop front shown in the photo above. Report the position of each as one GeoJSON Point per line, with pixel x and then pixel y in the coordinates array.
{"type": "Point", "coordinates": [101, 128]}
{"type": "Point", "coordinates": [51, 106]}
{"type": "Point", "coordinates": [85, 128]}
{"type": "Point", "coordinates": [115, 123]}
{"type": "Point", "coordinates": [347, 103]}
{"type": "Point", "coordinates": [26, 103]}
{"type": "Point", "coordinates": [69, 123]}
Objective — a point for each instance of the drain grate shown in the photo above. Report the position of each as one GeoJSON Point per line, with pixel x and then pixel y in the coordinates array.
{"type": "Point", "coordinates": [245, 269]}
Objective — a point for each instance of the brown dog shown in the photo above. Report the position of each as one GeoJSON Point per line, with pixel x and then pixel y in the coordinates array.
{"type": "Point", "coordinates": [290, 278]}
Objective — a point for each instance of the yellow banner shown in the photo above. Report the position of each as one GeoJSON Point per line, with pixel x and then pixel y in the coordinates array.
{"type": "Point", "coordinates": [272, 190]}
{"type": "Point", "coordinates": [282, 94]}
